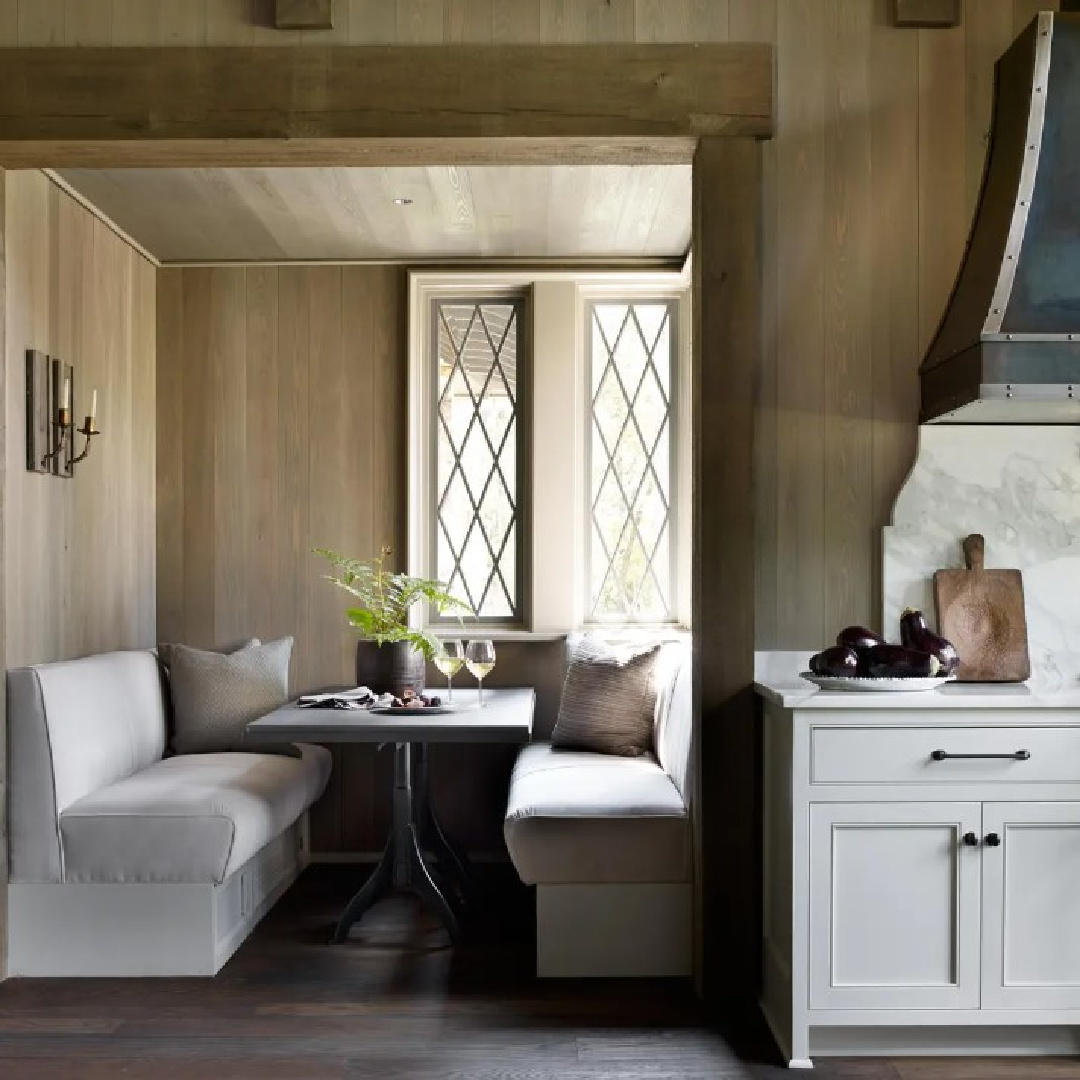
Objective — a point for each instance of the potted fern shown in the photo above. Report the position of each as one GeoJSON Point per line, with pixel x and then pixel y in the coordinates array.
{"type": "Point", "coordinates": [390, 654]}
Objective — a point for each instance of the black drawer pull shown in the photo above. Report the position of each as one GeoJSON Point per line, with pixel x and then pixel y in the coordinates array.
{"type": "Point", "coordinates": [1016, 755]}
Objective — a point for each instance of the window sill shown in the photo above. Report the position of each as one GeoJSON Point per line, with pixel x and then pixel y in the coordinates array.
{"type": "Point", "coordinates": [496, 634]}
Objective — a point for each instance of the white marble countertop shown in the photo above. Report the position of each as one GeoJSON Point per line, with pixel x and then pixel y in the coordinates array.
{"type": "Point", "coordinates": [777, 680]}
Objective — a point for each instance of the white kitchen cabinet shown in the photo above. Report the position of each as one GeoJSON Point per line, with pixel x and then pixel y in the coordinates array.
{"type": "Point", "coordinates": [922, 874]}
{"type": "Point", "coordinates": [1031, 905]}
{"type": "Point", "coordinates": [894, 906]}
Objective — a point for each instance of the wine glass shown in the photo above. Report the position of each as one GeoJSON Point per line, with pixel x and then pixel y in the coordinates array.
{"type": "Point", "coordinates": [480, 659]}
{"type": "Point", "coordinates": [448, 659]}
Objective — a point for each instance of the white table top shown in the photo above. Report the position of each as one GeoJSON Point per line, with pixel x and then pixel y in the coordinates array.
{"type": "Point", "coordinates": [506, 717]}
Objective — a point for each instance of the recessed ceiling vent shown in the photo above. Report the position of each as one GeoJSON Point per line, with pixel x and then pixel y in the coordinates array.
{"type": "Point", "coordinates": [1008, 347]}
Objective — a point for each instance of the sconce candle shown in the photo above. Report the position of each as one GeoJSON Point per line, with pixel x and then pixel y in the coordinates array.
{"type": "Point", "coordinates": [65, 401]}
{"type": "Point", "coordinates": [93, 407]}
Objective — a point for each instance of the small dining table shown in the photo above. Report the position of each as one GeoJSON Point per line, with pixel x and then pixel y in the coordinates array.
{"type": "Point", "coordinates": [505, 717]}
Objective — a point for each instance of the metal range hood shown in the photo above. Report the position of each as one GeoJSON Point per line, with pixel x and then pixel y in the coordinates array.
{"type": "Point", "coordinates": [1008, 347]}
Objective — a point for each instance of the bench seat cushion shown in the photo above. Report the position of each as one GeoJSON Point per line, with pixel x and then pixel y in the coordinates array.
{"type": "Point", "coordinates": [189, 819]}
{"type": "Point", "coordinates": [575, 817]}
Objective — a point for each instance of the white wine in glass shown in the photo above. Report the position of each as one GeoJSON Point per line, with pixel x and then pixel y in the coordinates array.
{"type": "Point", "coordinates": [480, 659]}
{"type": "Point", "coordinates": [448, 660]}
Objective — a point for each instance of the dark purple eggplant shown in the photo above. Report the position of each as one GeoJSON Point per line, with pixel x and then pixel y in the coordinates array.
{"type": "Point", "coordinates": [858, 637]}
{"type": "Point", "coordinates": [915, 634]}
{"type": "Point", "coordinates": [837, 661]}
{"type": "Point", "coordinates": [898, 662]}
{"type": "Point", "coordinates": [861, 640]}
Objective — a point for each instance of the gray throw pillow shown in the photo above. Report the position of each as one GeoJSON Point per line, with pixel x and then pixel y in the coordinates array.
{"type": "Point", "coordinates": [608, 700]}
{"type": "Point", "coordinates": [215, 696]}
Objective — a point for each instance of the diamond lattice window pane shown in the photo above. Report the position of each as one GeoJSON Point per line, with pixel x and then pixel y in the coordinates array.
{"type": "Point", "coordinates": [477, 519]}
{"type": "Point", "coordinates": [630, 474]}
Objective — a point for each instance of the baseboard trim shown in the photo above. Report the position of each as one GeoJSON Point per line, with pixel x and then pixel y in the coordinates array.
{"type": "Point", "coordinates": [955, 1041]}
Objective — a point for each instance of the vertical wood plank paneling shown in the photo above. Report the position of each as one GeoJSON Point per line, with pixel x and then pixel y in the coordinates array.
{"type": "Point", "coordinates": [198, 549]}
{"type": "Point", "coordinates": [135, 22]}
{"type": "Point", "coordinates": [727, 346]}
{"type": "Point", "coordinates": [88, 22]}
{"type": "Point", "coordinates": [169, 467]}
{"type": "Point", "coordinates": [77, 565]}
{"type": "Point", "coordinates": [9, 23]}
{"type": "Point", "coordinates": [469, 22]}
{"type": "Point", "coordinates": [41, 22]}
{"type": "Point", "coordinates": [371, 22]}
{"type": "Point", "coordinates": [294, 313]}
{"type": "Point", "coordinates": [291, 434]}
{"type": "Point", "coordinates": [609, 21]}
{"type": "Point", "coordinates": [418, 22]}
{"type": "Point", "coordinates": [263, 549]}
{"type": "Point", "coordinates": [848, 458]}
{"type": "Point", "coordinates": [228, 411]}
{"type": "Point", "coordinates": [144, 441]}
{"type": "Point", "coordinates": [801, 559]}
{"type": "Point", "coordinates": [894, 166]}
{"type": "Point", "coordinates": [987, 34]}
{"type": "Point", "coordinates": [182, 22]}
{"type": "Point", "coordinates": [755, 20]}
{"type": "Point", "coordinates": [943, 217]}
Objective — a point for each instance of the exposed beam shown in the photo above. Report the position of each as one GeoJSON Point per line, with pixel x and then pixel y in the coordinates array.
{"type": "Point", "coordinates": [376, 105]}
{"type": "Point", "coordinates": [727, 347]}
{"type": "Point", "coordinates": [304, 14]}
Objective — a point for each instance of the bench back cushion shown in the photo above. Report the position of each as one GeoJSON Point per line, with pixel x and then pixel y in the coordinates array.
{"type": "Point", "coordinates": [674, 714]}
{"type": "Point", "coordinates": [73, 728]}
{"type": "Point", "coordinates": [672, 676]}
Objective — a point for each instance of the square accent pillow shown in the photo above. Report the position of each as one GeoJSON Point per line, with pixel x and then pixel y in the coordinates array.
{"type": "Point", "coordinates": [215, 695]}
{"type": "Point", "coordinates": [608, 700]}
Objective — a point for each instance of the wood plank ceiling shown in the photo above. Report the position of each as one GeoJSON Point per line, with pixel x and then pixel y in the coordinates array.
{"type": "Point", "coordinates": [589, 213]}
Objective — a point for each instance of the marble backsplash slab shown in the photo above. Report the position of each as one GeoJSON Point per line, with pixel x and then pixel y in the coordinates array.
{"type": "Point", "coordinates": [1020, 488]}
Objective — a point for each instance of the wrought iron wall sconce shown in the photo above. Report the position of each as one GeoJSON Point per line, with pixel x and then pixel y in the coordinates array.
{"type": "Point", "coordinates": [50, 428]}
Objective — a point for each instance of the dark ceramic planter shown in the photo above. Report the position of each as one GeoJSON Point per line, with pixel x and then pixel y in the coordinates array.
{"type": "Point", "coordinates": [391, 668]}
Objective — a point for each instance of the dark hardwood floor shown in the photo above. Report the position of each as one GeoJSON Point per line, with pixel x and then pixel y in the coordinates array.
{"type": "Point", "coordinates": [396, 1004]}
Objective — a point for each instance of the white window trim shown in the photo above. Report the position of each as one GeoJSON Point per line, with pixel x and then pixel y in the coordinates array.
{"type": "Point", "coordinates": [557, 489]}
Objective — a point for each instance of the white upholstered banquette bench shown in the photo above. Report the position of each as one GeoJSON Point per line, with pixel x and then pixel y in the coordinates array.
{"type": "Point", "coordinates": [607, 842]}
{"type": "Point", "coordinates": [127, 862]}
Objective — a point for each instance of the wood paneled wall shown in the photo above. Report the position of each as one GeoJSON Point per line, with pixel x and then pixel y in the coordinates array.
{"type": "Point", "coordinates": [79, 554]}
{"type": "Point", "coordinates": [868, 190]}
{"type": "Point", "coordinates": [281, 427]}
{"type": "Point", "coordinates": [76, 556]}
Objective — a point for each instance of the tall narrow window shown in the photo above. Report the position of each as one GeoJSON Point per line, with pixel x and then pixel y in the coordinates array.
{"type": "Point", "coordinates": [631, 468]}
{"type": "Point", "coordinates": [480, 453]}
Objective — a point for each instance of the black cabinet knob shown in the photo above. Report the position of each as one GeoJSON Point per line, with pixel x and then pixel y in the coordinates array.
{"type": "Point", "coordinates": [971, 839]}
{"type": "Point", "coordinates": [992, 839]}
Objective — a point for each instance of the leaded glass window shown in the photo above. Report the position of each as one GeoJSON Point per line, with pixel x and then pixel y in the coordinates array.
{"type": "Point", "coordinates": [631, 461]}
{"type": "Point", "coordinates": [480, 453]}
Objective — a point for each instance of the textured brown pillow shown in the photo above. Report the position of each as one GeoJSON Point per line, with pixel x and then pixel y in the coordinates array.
{"type": "Point", "coordinates": [215, 696]}
{"type": "Point", "coordinates": [608, 700]}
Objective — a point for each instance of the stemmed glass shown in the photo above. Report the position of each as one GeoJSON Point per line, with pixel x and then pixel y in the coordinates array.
{"type": "Point", "coordinates": [448, 660]}
{"type": "Point", "coordinates": [480, 659]}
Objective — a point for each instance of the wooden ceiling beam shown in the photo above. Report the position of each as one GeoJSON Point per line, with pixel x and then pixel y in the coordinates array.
{"type": "Point", "coordinates": [376, 105]}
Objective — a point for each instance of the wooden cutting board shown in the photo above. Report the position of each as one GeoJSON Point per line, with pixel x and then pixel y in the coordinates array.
{"type": "Point", "coordinates": [982, 613]}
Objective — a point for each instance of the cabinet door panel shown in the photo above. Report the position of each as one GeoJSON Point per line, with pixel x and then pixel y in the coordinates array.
{"type": "Point", "coordinates": [1031, 906]}
{"type": "Point", "coordinates": [894, 906]}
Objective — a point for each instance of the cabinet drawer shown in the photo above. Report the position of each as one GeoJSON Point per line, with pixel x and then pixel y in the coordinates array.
{"type": "Point", "coordinates": [905, 755]}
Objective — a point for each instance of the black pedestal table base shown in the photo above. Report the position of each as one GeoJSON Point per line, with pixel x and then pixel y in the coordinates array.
{"type": "Point", "coordinates": [403, 864]}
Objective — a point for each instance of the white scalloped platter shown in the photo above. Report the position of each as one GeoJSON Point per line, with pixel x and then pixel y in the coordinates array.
{"type": "Point", "coordinates": [876, 686]}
